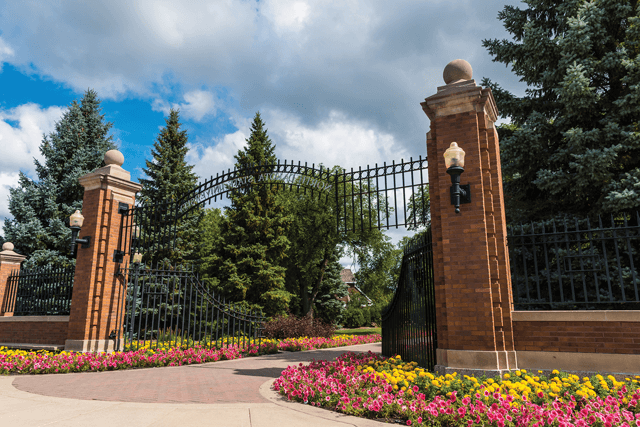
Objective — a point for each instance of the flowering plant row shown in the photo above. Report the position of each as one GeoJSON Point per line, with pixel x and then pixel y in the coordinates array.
{"type": "Point", "coordinates": [306, 343]}
{"type": "Point", "coordinates": [371, 386]}
{"type": "Point", "coordinates": [148, 355]}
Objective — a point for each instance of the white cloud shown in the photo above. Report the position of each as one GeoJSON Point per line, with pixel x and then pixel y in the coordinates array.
{"type": "Point", "coordinates": [286, 15]}
{"type": "Point", "coordinates": [5, 51]}
{"type": "Point", "coordinates": [337, 140]}
{"type": "Point", "coordinates": [21, 130]}
{"type": "Point", "coordinates": [7, 180]}
{"type": "Point", "coordinates": [197, 105]}
{"type": "Point", "coordinates": [209, 160]}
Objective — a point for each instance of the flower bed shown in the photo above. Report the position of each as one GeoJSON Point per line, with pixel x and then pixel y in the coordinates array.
{"type": "Point", "coordinates": [305, 343]}
{"type": "Point", "coordinates": [153, 355]}
{"type": "Point", "coordinates": [371, 386]}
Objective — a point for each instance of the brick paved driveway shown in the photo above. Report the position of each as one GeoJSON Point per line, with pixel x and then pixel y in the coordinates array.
{"type": "Point", "coordinates": [230, 381]}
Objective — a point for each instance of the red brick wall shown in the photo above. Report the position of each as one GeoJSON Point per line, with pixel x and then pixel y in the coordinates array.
{"type": "Point", "coordinates": [38, 332]}
{"type": "Point", "coordinates": [578, 336]}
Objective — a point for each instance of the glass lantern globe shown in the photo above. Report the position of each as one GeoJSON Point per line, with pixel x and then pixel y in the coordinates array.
{"type": "Point", "coordinates": [454, 156]}
{"type": "Point", "coordinates": [76, 219]}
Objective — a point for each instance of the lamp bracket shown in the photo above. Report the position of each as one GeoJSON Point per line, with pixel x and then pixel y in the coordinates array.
{"type": "Point", "coordinates": [465, 194]}
{"type": "Point", "coordinates": [122, 208]}
{"type": "Point", "coordinates": [84, 242]}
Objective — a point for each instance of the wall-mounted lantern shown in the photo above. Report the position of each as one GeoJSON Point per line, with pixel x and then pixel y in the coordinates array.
{"type": "Point", "coordinates": [137, 258]}
{"type": "Point", "coordinates": [75, 223]}
{"type": "Point", "coordinates": [454, 161]}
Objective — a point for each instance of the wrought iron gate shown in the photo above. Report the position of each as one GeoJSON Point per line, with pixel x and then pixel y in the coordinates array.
{"type": "Point", "coordinates": [167, 306]}
{"type": "Point", "coordinates": [409, 323]}
{"type": "Point", "coordinates": [164, 302]}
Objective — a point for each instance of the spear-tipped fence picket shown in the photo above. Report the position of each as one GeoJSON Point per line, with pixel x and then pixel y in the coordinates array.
{"type": "Point", "coordinates": [44, 291]}
{"type": "Point", "coordinates": [574, 264]}
{"type": "Point", "coordinates": [167, 306]}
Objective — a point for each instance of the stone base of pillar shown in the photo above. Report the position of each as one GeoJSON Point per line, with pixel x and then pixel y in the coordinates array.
{"type": "Point", "coordinates": [475, 363]}
{"type": "Point", "coordinates": [89, 346]}
{"type": "Point", "coordinates": [628, 364]}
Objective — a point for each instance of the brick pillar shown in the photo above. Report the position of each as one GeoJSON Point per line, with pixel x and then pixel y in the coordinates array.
{"type": "Point", "coordinates": [96, 289]}
{"type": "Point", "coordinates": [9, 261]}
{"type": "Point", "coordinates": [471, 261]}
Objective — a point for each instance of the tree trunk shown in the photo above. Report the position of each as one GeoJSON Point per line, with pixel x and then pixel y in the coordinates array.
{"type": "Point", "coordinates": [316, 287]}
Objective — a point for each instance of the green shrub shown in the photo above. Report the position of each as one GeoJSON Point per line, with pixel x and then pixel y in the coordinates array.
{"type": "Point", "coordinates": [353, 317]}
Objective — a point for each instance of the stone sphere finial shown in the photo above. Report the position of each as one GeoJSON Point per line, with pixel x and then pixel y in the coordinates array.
{"type": "Point", "coordinates": [7, 246]}
{"type": "Point", "coordinates": [113, 157]}
{"type": "Point", "coordinates": [456, 70]}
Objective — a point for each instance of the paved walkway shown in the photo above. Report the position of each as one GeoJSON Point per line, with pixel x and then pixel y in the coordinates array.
{"type": "Point", "coordinates": [228, 393]}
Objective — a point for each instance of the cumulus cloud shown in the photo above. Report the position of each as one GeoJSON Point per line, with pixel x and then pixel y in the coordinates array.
{"type": "Point", "coordinates": [217, 157]}
{"type": "Point", "coordinates": [337, 140]}
{"type": "Point", "coordinates": [7, 180]}
{"type": "Point", "coordinates": [5, 51]}
{"type": "Point", "coordinates": [197, 105]}
{"type": "Point", "coordinates": [372, 60]}
{"type": "Point", "coordinates": [21, 131]}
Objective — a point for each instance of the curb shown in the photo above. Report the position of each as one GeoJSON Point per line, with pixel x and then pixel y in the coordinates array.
{"type": "Point", "coordinates": [277, 399]}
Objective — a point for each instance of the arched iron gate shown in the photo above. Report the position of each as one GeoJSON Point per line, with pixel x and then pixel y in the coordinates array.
{"type": "Point", "coordinates": [409, 323]}
{"type": "Point", "coordinates": [379, 197]}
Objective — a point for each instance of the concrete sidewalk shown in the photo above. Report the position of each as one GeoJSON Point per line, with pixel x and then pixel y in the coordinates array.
{"type": "Point", "coordinates": [227, 393]}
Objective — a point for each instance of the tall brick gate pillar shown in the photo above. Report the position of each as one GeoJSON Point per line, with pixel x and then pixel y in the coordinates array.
{"type": "Point", "coordinates": [9, 261]}
{"type": "Point", "coordinates": [472, 281]}
{"type": "Point", "coordinates": [96, 289]}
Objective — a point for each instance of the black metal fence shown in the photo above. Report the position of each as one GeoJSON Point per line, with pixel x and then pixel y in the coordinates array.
{"type": "Point", "coordinates": [574, 264]}
{"type": "Point", "coordinates": [409, 323]}
{"type": "Point", "coordinates": [167, 306]}
{"type": "Point", "coordinates": [40, 292]}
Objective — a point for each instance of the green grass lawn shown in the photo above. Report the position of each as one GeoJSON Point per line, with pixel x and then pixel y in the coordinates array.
{"type": "Point", "coordinates": [363, 331]}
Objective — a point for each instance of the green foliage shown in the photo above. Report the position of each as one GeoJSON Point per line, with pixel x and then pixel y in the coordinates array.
{"type": "Point", "coordinates": [573, 145]}
{"type": "Point", "coordinates": [41, 207]}
{"type": "Point", "coordinates": [419, 209]}
{"type": "Point", "coordinates": [379, 270]}
{"type": "Point", "coordinates": [353, 317]}
{"type": "Point", "coordinates": [170, 178]}
{"type": "Point", "coordinates": [326, 305]}
{"type": "Point", "coordinates": [249, 265]}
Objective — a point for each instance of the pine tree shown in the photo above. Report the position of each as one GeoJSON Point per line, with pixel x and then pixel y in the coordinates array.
{"type": "Point", "coordinates": [326, 305]}
{"type": "Point", "coordinates": [170, 179]}
{"type": "Point", "coordinates": [573, 144]}
{"type": "Point", "coordinates": [249, 266]}
{"type": "Point", "coordinates": [41, 208]}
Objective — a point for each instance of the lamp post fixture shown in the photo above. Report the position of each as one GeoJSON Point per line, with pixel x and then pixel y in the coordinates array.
{"type": "Point", "coordinates": [454, 161]}
{"type": "Point", "coordinates": [75, 223]}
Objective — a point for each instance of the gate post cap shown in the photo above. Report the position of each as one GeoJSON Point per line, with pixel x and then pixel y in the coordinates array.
{"type": "Point", "coordinates": [113, 157]}
{"type": "Point", "coordinates": [457, 70]}
{"type": "Point", "coordinates": [7, 246]}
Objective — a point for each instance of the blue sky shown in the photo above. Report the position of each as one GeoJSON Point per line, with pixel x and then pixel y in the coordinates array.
{"type": "Point", "coordinates": [337, 82]}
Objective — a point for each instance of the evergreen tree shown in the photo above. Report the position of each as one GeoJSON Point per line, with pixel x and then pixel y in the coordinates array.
{"type": "Point", "coordinates": [573, 144]}
{"type": "Point", "coordinates": [327, 306]}
{"type": "Point", "coordinates": [169, 179]}
{"type": "Point", "coordinates": [41, 207]}
{"type": "Point", "coordinates": [249, 265]}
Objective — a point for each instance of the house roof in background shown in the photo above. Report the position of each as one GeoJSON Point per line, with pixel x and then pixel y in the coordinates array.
{"type": "Point", "coordinates": [347, 276]}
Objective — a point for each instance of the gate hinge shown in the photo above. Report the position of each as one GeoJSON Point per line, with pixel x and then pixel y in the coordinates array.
{"type": "Point", "coordinates": [118, 255]}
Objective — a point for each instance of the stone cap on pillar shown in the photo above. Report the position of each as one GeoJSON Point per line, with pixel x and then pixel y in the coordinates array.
{"type": "Point", "coordinates": [112, 174]}
{"type": "Point", "coordinates": [8, 256]}
{"type": "Point", "coordinates": [460, 94]}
